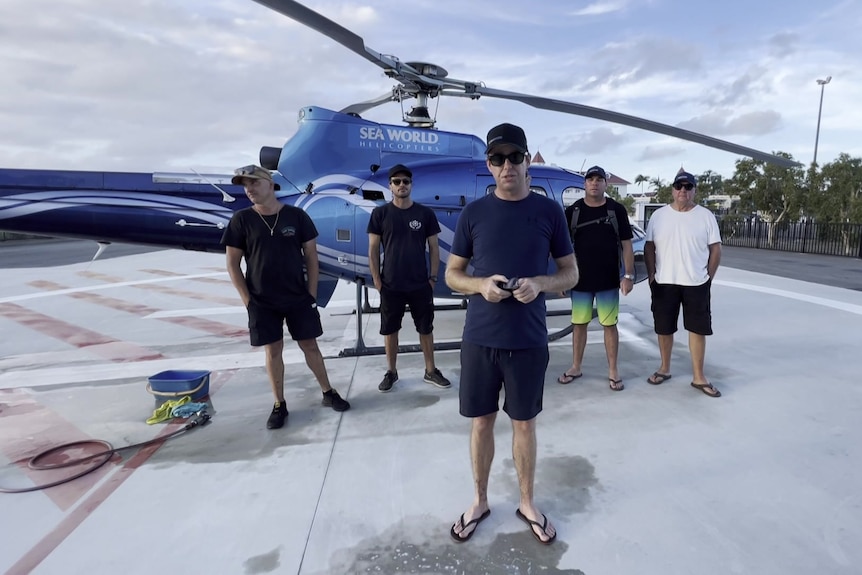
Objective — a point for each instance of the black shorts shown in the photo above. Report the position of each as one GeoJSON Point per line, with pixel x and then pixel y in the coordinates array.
{"type": "Point", "coordinates": [393, 304]}
{"type": "Point", "coordinates": [695, 301]}
{"type": "Point", "coordinates": [486, 370]}
{"type": "Point", "coordinates": [266, 324]}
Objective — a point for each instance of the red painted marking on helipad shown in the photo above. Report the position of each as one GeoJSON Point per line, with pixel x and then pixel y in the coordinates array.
{"type": "Point", "coordinates": [76, 335]}
{"type": "Point", "coordinates": [140, 310]}
{"type": "Point", "coordinates": [199, 296]}
{"type": "Point", "coordinates": [27, 429]}
{"type": "Point", "coordinates": [77, 516]}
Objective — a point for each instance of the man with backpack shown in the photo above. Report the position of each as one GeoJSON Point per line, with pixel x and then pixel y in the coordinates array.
{"type": "Point", "coordinates": [602, 239]}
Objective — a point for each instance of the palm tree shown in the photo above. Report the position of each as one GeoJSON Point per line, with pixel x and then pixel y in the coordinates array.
{"type": "Point", "coordinates": [641, 179]}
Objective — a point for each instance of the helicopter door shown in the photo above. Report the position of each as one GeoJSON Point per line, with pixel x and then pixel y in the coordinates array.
{"type": "Point", "coordinates": [336, 242]}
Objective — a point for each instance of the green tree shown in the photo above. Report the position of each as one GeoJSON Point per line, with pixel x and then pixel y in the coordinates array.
{"type": "Point", "coordinates": [628, 201]}
{"type": "Point", "coordinates": [663, 194]}
{"type": "Point", "coordinates": [641, 180]}
{"type": "Point", "coordinates": [775, 193]}
{"type": "Point", "coordinates": [836, 195]}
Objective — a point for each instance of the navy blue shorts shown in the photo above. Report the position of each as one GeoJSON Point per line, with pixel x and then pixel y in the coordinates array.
{"type": "Point", "coordinates": [695, 302]}
{"type": "Point", "coordinates": [266, 324]}
{"type": "Point", "coordinates": [394, 303]}
{"type": "Point", "coordinates": [487, 370]}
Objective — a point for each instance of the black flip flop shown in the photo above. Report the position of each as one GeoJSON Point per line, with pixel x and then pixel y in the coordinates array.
{"type": "Point", "coordinates": [568, 378]}
{"type": "Point", "coordinates": [456, 537]}
{"type": "Point", "coordinates": [616, 384]}
{"type": "Point", "coordinates": [543, 526]}
{"type": "Point", "coordinates": [704, 387]}
{"type": "Point", "coordinates": [658, 378]}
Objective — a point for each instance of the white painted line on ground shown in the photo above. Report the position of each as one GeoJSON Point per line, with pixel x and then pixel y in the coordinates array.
{"type": "Point", "coordinates": [38, 295]}
{"type": "Point", "coordinates": [852, 308]}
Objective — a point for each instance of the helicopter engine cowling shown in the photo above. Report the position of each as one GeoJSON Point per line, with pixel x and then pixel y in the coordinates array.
{"type": "Point", "coordinates": [269, 157]}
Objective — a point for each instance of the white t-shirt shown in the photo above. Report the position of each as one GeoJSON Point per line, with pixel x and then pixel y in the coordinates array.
{"type": "Point", "coordinates": [682, 241]}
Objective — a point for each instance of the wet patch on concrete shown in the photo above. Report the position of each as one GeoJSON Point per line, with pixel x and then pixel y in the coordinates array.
{"type": "Point", "coordinates": [266, 563]}
{"type": "Point", "coordinates": [392, 553]}
{"type": "Point", "coordinates": [563, 484]}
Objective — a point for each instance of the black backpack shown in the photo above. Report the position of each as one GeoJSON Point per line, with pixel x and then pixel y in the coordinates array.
{"type": "Point", "coordinates": [611, 219]}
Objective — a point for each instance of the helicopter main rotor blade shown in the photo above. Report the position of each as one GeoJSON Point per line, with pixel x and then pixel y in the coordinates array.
{"type": "Point", "coordinates": [633, 121]}
{"type": "Point", "coordinates": [327, 27]}
{"type": "Point", "coordinates": [415, 82]}
{"type": "Point", "coordinates": [361, 107]}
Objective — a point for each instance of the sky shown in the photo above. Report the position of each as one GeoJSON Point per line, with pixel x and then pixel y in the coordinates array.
{"type": "Point", "coordinates": [195, 85]}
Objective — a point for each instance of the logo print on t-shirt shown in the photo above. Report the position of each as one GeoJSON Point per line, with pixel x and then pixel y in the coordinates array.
{"type": "Point", "coordinates": [415, 225]}
{"type": "Point", "coordinates": [288, 231]}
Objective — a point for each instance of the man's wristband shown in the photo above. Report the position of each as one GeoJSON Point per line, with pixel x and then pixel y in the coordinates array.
{"type": "Point", "coordinates": [629, 277]}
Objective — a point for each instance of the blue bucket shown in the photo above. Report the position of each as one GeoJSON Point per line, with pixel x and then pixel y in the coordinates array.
{"type": "Point", "coordinates": [174, 384]}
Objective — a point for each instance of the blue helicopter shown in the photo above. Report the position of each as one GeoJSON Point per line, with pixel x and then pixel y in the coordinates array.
{"type": "Point", "coordinates": [334, 167]}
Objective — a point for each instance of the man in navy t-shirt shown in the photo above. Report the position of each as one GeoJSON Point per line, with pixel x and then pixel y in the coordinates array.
{"type": "Point", "coordinates": [507, 237]}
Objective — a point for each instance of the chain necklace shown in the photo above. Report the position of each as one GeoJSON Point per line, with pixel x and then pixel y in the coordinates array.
{"type": "Point", "coordinates": [270, 227]}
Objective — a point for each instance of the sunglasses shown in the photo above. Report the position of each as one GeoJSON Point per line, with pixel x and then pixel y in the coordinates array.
{"type": "Point", "coordinates": [514, 158]}
{"type": "Point", "coordinates": [399, 181]}
{"type": "Point", "coordinates": [688, 187]}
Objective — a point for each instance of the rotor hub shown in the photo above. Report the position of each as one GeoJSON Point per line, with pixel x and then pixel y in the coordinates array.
{"type": "Point", "coordinates": [430, 70]}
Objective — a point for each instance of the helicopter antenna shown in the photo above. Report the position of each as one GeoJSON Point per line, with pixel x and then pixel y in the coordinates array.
{"type": "Point", "coordinates": [225, 197]}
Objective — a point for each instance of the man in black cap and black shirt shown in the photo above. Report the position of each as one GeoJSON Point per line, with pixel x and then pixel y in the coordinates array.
{"type": "Point", "coordinates": [404, 228]}
{"type": "Point", "coordinates": [276, 240]}
{"type": "Point", "coordinates": [602, 238]}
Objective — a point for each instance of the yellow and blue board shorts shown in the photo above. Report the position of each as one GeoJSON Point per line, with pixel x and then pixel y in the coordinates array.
{"type": "Point", "coordinates": [607, 306]}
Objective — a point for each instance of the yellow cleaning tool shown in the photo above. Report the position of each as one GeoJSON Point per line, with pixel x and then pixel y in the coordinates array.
{"type": "Point", "coordinates": [163, 412]}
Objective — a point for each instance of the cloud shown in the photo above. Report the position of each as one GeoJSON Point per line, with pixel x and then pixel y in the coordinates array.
{"type": "Point", "coordinates": [599, 8]}
{"type": "Point", "coordinates": [722, 123]}
{"type": "Point", "coordinates": [783, 44]}
{"type": "Point", "coordinates": [650, 153]}
{"type": "Point", "coordinates": [592, 142]}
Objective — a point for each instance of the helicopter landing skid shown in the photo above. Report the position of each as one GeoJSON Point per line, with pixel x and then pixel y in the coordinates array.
{"type": "Point", "coordinates": [360, 349]}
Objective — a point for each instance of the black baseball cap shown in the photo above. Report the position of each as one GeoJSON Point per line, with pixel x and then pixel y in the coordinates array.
{"type": "Point", "coordinates": [506, 134]}
{"type": "Point", "coordinates": [596, 171]}
{"type": "Point", "coordinates": [685, 177]}
{"type": "Point", "coordinates": [400, 169]}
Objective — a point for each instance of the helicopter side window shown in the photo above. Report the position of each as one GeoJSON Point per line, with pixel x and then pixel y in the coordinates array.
{"type": "Point", "coordinates": [571, 195]}
{"type": "Point", "coordinates": [535, 189]}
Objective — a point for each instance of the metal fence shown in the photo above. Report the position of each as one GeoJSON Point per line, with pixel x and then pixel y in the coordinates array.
{"type": "Point", "coordinates": [803, 237]}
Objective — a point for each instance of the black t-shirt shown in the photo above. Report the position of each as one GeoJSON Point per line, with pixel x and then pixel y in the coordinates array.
{"type": "Point", "coordinates": [596, 245]}
{"type": "Point", "coordinates": [404, 234]}
{"type": "Point", "coordinates": [274, 262]}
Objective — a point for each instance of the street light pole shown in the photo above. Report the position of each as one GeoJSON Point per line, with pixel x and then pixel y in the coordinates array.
{"type": "Point", "coordinates": [819, 111]}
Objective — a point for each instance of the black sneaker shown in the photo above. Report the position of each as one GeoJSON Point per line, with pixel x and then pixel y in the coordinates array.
{"type": "Point", "coordinates": [389, 379]}
{"type": "Point", "coordinates": [277, 417]}
{"type": "Point", "coordinates": [333, 400]}
{"type": "Point", "coordinates": [436, 378]}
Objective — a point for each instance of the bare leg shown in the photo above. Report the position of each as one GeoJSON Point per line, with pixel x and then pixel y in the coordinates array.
{"type": "Point", "coordinates": [314, 361]}
{"type": "Point", "coordinates": [524, 454]}
{"type": "Point", "coordinates": [697, 348]}
{"type": "Point", "coordinates": [481, 456]}
{"type": "Point", "coordinates": [579, 344]}
{"type": "Point", "coordinates": [426, 342]}
{"type": "Point", "coordinates": [390, 343]}
{"type": "Point", "coordinates": [275, 368]}
{"type": "Point", "coordinates": [612, 346]}
{"type": "Point", "coordinates": [665, 347]}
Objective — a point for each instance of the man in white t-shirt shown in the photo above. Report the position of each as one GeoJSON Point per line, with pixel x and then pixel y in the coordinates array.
{"type": "Point", "coordinates": [682, 254]}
